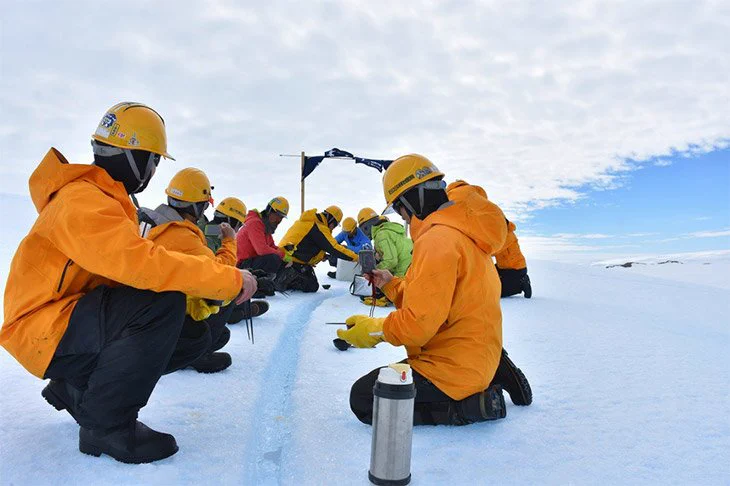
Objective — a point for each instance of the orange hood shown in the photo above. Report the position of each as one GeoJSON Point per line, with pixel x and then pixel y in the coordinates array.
{"type": "Point", "coordinates": [54, 172]}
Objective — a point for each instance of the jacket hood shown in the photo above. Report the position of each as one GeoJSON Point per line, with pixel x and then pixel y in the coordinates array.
{"type": "Point", "coordinates": [253, 214]}
{"type": "Point", "coordinates": [389, 226]}
{"type": "Point", "coordinates": [54, 172]}
{"type": "Point", "coordinates": [471, 213]}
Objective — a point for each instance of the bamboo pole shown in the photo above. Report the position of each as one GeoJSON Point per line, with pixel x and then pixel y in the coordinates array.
{"type": "Point", "coordinates": [301, 172]}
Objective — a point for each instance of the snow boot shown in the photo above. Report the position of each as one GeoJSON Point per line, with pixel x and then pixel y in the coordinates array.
{"type": "Point", "coordinates": [258, 307]}
{"type": "Point", "coordinates": [284, 279]}
{"type": "Point", "coordinates": [62, 396]}
{"type": "Point", "coordinates": [265, 287]}
{"type": "Point", "coordinates": [526, 286]}
{"type": "Point", "coordinates": [212, 362]}
{"type": "Point", "coordinates": [480, 407]}
{"type": "Point", "coordinates": [513, 380]}
{"type": "Point", "coordinates": [332, 274]}
{"type": "Point", "coordinates": [134, 443]}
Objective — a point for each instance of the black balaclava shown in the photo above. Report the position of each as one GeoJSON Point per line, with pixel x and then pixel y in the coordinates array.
{"type": "Point", "coordinates": [119, 168]}
{"type": "Point", "coordinates": [219, 218]}
{"type": "Point", "coordinates": [423, 200]}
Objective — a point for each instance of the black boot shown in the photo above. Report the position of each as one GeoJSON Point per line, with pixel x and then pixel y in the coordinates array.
{"type": "Point", "coordinates": [513, 380]}
{"type": "Point", "coordinates": [284, 278]}
{"type": "Point", "coordinates": [480, 407]}
{"type": "Point", "coordinates": [258, 307]}
{"type": "Point", "coordinates": [133, 444]}
{"type": "Point", "coordinates": [212, 362]}
{"type": "Point", "coordinates": [63, 396]}
{"type": "Point", "coordinates": [526, 286]}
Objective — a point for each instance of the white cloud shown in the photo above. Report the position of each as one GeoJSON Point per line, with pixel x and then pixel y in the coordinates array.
{"type": "Point", "coordinates": [535, 102]}
{"type": "Point", "coordinates": [709, 234]}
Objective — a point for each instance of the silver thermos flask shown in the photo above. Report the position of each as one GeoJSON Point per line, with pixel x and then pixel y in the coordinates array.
{"type": "Point", "coordinates": [390, 455]}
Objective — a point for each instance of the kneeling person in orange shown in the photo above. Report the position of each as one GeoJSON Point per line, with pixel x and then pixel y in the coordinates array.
{"type": "Point", "coordinates": [448, 311]}
{"type": "Point", "coordinates": [512, 267]}
{"type": "Point", "coordinates": [92, 305]}
{"type": "Point", "coordinates": [173, 227]}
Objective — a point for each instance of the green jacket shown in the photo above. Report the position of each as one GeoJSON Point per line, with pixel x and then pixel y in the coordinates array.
{"type": "Point", "coordinates": [394, 247]}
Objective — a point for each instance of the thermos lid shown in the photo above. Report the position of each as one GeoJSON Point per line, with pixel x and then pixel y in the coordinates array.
{"type": "Point", "coordinates": [396, 374]}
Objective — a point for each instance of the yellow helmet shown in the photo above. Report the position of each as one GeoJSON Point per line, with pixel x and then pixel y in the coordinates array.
{"type": "Point", "coordinates": [133, 126]}
{"type": "Point", "coordinates": [366, 214]}
{"type": "Point", "coordinates": [335, 212]}
{"type": "Point", "coordinates": [232, 207]}
{"type": "Point", "coordinates": [406, 172]}
{"type": "Point", "coordinates": [280, 205]}
{"type": "Point", "coordinates": [349, 225]}
{"type": "Point", "coordinates": [190, 185]}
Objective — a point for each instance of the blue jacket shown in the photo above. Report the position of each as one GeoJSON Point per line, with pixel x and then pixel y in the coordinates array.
{"type": "Point", "coordinates": [355, 243]}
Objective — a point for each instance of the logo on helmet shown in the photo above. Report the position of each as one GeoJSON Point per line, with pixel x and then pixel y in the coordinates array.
{"type": "Point", "coordinates": [421, 173]}
{"type": "Point", "coordinates": [108, 120]}
{"type": "Point", "coordinates": [133, 140]}
{"type": "Point", "coordinates": [176, 192]}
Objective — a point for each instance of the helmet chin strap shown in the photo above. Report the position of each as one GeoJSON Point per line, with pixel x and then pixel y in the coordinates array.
{"type": "Point", "coordinates": [105, 151]}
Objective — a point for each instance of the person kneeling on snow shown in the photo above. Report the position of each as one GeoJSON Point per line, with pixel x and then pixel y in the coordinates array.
{"type": "Point", "coordinates": [94, 307]}
{"type": "Point", "coordinates": [307, 242]}
{"type": "Point", "coordinates": [172, 226]}
{"type": "Point", "coordinates": [511, 265]}
{"type": "Point", "coordinates": [393, 250]}
{"type": "Point", "coordinates": [256, 248]}
{"type": "Point", "coordinates": [232, 211]}
{"type": "Point", "coordinates": [448, 311]}
{"type": "Point", "coordinates": [352, 237]}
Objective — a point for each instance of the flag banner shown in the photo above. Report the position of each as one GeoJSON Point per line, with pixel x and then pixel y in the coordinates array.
{"type": "Point", "coordinates": [311, 163]}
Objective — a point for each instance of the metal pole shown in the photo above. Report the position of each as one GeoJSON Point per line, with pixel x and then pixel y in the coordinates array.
{"type": "Point", "coordinates": [301, 172]}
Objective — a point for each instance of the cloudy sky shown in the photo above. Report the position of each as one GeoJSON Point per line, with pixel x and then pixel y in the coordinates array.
{"type": "Point", "coordinates": [561, 110]}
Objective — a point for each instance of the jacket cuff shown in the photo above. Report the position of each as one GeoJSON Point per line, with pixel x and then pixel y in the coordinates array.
{"type": "Point", "coordinates": [389, 289]}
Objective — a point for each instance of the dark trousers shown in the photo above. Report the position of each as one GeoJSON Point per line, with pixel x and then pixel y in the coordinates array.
{"type": "Point", "coordinates": [199, 338]}
{"type": "Point", "coordinates": [271, 263]}
{"type": "Point", "coordinates": [431, 404]}
{"type": "Point", "coordinates": [511, 280]}
{"type": "Point", "coordinates": [117, 345]}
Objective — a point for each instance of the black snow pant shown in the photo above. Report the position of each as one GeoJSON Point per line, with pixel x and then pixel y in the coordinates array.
{"type": "Point", "coordinates": [511, 280]}
{"type": "Point", "coordinates": [297, 277]}
{"type": "Point", "coordinates": [117, 345]}
{"type": "Point", "coordinates": [270, 263]}
{"type": "Point", "coordinates": [431, 404]}
{"type": "Point", "coordinates": [199, 338]}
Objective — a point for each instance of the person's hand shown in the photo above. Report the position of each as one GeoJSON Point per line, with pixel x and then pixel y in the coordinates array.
{"type": "Point", "coordinates": [227, 231]}
{"type": "Point", "coordinates": [248, 287]}
{"type": "Point", "coordinates": [362, 331]}
{"type": "Point", "coordinates": [288, 264]}
{"type": "Point", "coordinates": [379, 278]}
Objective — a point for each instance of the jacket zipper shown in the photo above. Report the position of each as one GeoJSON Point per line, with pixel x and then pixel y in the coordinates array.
{"type": "Point", "coordinates": [63, 275]}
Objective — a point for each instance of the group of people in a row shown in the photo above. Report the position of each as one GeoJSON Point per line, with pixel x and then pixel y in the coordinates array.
{"type": "Point", "coordinates": [103, 298]}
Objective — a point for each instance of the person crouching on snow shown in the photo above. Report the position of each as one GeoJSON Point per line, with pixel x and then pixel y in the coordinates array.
{"type": "Point", "coordinates": [173, 227]}
{"type": "Point", "coordinates": [307, 242]}
{"type": "Point", "coordinates": [448, 311]}
{"type": "Point", "coordinates": [94, 307]}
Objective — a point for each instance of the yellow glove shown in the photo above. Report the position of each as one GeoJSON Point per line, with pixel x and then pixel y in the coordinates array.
{"type": "Point", "coordinates": [381, 302]}
{"type": "Point", "coordinates": [199, 309]}
{"type": "Point", "coordinates": [363, 331]}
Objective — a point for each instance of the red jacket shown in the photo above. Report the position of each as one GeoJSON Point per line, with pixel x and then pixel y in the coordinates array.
{"type": "Point", "coordinates": [252, 240]}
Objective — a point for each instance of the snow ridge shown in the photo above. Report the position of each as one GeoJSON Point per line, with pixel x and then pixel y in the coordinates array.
{"type": "Point", "coordinates": [271, 431]}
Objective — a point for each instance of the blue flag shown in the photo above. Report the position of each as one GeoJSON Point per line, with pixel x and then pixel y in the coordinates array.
{"type": "Point", "coordinates": [311, 163]}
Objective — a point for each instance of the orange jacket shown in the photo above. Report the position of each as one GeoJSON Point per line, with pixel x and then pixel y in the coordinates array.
{"type": "Point", "coordinates": [449, 315]}
{"type": "Point", "coordinates": [86, 235]}
{"type": "Point", "coordinates": [185, 237]}
{"type": "Point", "coordinates": [510, 256]}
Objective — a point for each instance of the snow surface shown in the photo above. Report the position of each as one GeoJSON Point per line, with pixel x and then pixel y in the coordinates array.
{"type": "Point", "coordinates": [631, 376]}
